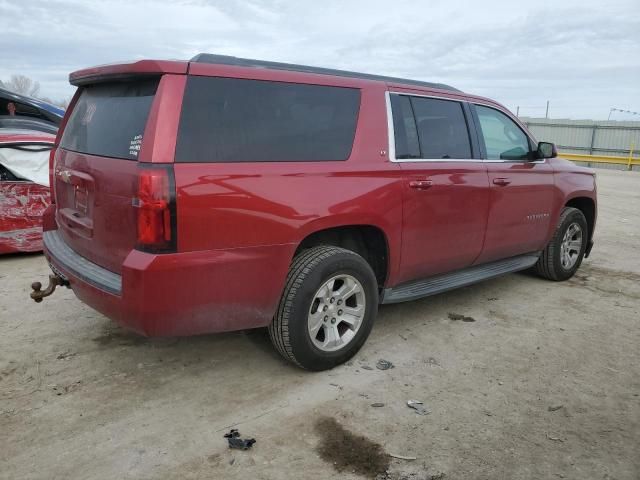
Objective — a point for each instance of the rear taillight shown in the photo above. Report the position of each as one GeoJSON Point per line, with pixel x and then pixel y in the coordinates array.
{"type": "Point", "coordinates": [156, 208]}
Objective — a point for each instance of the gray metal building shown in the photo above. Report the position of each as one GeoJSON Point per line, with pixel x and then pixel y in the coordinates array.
{"type": "Point", "coordinates": [588, 137]}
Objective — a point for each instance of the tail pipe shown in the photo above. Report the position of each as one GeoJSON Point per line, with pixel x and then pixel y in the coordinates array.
{"type": "Point", "coordinates": [54, 281]}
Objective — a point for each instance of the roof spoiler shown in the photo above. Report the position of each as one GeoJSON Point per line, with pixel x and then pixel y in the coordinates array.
{"type": "Point", "coordinates": [125, 71]}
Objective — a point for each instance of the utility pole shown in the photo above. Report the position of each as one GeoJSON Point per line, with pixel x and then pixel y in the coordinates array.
{"type": "Point", "coordinates": [518, 111]}
{"type": "Point", "coordinates": [546, 115]}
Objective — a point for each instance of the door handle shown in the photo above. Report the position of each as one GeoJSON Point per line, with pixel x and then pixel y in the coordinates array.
{"type": "Point", "coordinates": [503, 182]}
{"type": "Point", "coordinates": [420, 184]}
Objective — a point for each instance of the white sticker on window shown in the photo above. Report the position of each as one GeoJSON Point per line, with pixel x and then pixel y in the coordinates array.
{"type": "Point", "coordinates": [134, 146]}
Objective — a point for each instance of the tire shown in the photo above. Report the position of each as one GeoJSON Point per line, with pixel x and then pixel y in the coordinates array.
{"type": "Point", "coordinates": [550, 264]}
{"type": "Point", "coordinates": [322, 269]}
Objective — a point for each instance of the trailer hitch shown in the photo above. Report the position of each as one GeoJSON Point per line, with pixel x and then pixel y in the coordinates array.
{"type": "Point", "coordinates": [54, 281]}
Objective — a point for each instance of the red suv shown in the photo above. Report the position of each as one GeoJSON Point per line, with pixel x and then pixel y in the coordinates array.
{"type": "Point", "coordinates": [225, 193]}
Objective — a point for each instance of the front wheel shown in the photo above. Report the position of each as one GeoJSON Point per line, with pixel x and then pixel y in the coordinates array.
{"type": "Point", "coordinates": [564, 253]}
{"type": "Point", "coordinates": [327, 309]}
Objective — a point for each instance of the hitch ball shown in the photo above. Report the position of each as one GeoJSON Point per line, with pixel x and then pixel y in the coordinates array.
{"type": "Point", "coordinates": [54, 281]}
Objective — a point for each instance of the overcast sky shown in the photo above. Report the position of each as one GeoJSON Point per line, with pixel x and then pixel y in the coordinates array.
{"type": "Point", "coordinates": [583, 56]}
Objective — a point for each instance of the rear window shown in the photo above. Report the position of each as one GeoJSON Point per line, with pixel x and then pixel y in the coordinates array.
{"type": "Point", "coordinates": [109, 119]}
{"type": "Point", "coordinates": [236, 120]}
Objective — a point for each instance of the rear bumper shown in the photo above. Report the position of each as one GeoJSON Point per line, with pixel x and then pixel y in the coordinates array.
{"type": "Point", "coordinates": [61, 254]}
{"type": "Point", "coordinates": [182, 293]}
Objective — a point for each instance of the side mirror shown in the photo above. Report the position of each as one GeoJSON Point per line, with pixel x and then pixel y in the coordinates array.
{"type": "Point", "coordinates": [547, 150]}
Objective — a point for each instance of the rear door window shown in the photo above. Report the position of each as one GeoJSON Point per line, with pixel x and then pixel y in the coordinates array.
{"type": "Point", "coordinates": [109, 119]}
{"type": "Point", "coordinates": [442, 128]}
{"type": "Point", "coordinates": [237, 120]}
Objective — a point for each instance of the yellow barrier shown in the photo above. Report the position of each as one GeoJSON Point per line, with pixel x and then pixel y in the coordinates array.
{"type": "Point", "coordinates": [629, 161]}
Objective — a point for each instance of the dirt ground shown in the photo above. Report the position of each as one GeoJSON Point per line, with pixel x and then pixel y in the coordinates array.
{"type": "Point", "coordinates": [544, 384]}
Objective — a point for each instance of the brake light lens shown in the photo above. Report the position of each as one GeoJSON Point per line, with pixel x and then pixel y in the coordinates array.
{"type": "Point", "coordinates": [156, 210]}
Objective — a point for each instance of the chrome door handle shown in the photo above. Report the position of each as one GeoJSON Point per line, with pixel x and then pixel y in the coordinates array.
{"type": "Point", "coordinates": [503, 182]}
{"type": "Point", "coordinates": [421, 184]}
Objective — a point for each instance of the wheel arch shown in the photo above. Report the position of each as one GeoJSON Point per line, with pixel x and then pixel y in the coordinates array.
{"type": "Point", "coordinates": [369, 241]}
{"type": "Point", "coordinates": [588, 208]}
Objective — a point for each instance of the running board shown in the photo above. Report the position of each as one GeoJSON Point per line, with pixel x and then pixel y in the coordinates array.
{"type": "Point", "coordinates": [460, 278]}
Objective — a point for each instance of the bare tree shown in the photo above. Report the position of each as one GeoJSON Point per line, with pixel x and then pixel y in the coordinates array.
{"type": "Point", "coordinates": [26, 86]}
{"type": "Point", "coordinates": [23, 85]}
{"type": "Point", "coordinates": [62, 103]}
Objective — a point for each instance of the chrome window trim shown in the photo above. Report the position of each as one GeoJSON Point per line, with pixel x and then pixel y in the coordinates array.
{"type": "Point", "coordinates": [439, 97]}
{"type": "Point", "coordinates": [434, 160]}
{"type": "Point", "coordinates": [390, 130]}
{"type": "Point", "coordinates": [392, 138]}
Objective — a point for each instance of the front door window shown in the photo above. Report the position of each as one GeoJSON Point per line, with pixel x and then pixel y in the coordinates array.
{"type": "Point", "coordinates": [503, 139]}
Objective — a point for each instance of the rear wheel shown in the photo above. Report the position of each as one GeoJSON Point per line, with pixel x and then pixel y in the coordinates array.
{"type": "Point", "coordinates": [564, 253]}
{"type": "Point", "coordinates": [327, 309]}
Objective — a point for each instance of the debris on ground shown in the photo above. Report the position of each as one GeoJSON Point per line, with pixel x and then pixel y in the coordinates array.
{"type": "Point", "coordinates": [366, 367]}
{"type": "Point", "coordinates": [418, 406]}
{"type": "Point", "coordinates": [349, 452]}
{"type": "Point", "coordinates": [388, 475]}
{"type": "Point", "coordinates": [233, 437]}
{"type": "Point", "coordinates": [384, 364]}
{"type": "Point", "coordinates": [402, 457]}
{"type": "Point", "coordinates": [433, 362]}
{"type": "Point", "coordinates": [457, 316]}
{"type": "Point", "coordinates": [555, 408]}
{"type": "Point", "coordinates": [65, 355]}
{"type": "Point", "coordinates": [377, 404]}
{"type": "Point", "coordinates": [64, 389]}
{"type": "Point", "coordinates": [555, 439]}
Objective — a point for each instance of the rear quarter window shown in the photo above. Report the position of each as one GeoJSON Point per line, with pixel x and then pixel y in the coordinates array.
{"type": "Point", "coordinates": [237, 120]}
{"type": "Point", "coordinates": [109, 119]}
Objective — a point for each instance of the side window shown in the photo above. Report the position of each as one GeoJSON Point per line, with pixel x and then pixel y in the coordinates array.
{"type": "Point", "coordinates": [237, 120]}
{"type": "Point", "coordinates": [442, 128]}
{"type": "Point", "coordinates": [404, 128]}
{"type": "Point", "coordinates": [503, 139]}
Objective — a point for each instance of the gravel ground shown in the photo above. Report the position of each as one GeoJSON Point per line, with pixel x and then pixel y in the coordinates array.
{"type": "Point", "coordinates": [544, 383]}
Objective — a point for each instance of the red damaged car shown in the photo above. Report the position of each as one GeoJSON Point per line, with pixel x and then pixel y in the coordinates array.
{"type": "Point", "coordinates": [224, 193]}
{"type": "Point", "coordinates": [27, 134]}
{"type": "Point", "coordinates": [24, 188]}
